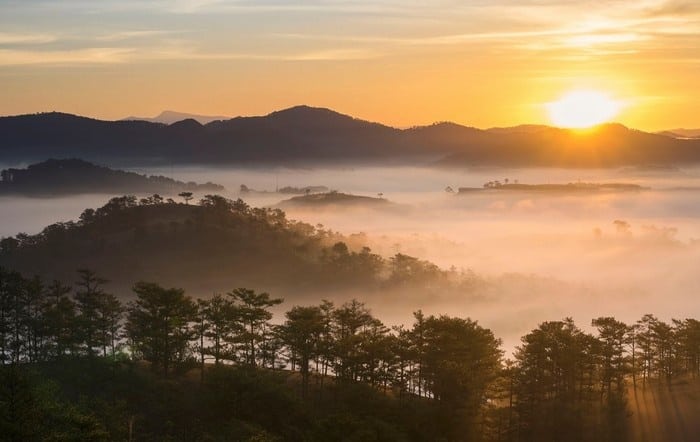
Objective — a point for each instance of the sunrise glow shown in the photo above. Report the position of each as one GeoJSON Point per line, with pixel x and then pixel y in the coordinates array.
{"type": "Point", "coordinates": [582, 109]}
{"type": "Point", "coordinates": [481, 64]}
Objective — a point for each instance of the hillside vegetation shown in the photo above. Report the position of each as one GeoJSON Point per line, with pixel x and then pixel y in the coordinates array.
{"type": "Point", "coordinates": [213, 246]}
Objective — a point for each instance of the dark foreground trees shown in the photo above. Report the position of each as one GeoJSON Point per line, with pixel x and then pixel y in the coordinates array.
{"type": "Point", "coordinates": [442, 378]}
{"type": "Point", "coordinates": [253, 312]}
{"type": "Point", "coordinates": [556, 381]}
{"type": "Point", "coordinates": [461, 360]}
{"type": "Point", "coordinates": [159, 325]}
{"type": "Point", "coordinates": [302, 332]}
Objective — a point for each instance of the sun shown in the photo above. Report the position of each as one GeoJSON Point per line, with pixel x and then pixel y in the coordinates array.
{"type": "Point", "coordinates": [582, 109]}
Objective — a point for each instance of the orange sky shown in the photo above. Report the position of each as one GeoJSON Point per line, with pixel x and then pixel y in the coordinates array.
{"type": "Point", "coordinates": [480, 63]}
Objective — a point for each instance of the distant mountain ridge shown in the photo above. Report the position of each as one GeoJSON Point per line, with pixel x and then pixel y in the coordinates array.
{"type": "Point", "coordinates": [75, 176]}
{"type": "Point", "coordinates": [333, 200]}
{"type": "Point", "coordinates": [304, 135]}
{"type": "Point", "coordinates": [170, 117]}
{"type": "Point", "coordinates": [682, 133]}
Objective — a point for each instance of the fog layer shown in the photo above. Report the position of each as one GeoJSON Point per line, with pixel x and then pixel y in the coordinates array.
{"type": "Point", "coordinates": [542, 256]}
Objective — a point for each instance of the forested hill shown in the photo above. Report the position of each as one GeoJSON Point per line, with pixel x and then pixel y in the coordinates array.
{"type": "Point", "coordinates": [211, 246]}
{"type": "Point", "coordinates": [306, 135]}
{"type": "Point", "coordinates": [75, 176]}
{"type": "Point", "coordinates": [335, 199]}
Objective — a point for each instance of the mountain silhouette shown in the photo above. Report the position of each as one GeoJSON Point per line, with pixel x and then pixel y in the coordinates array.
{"type": "Point", "coordinates": [75, 176]}
{"type": "Point", "coordinates": [304, 135]}
{"type": "Point", "coordinates": [682, 133]}
{"type": "Point", "coordinates": [170, 117]}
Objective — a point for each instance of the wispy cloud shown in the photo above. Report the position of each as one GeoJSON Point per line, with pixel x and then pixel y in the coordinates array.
{"type": "Point", "coordinates": [603, 28]}
{"type": "Point", "coordinates": [406, 7]}
{"type": "Point", "coordinates": [588, 40]}
{"type": "Point", "coordinates": [12, 57]}
{"type": "Point", "coordinates": [531, 40]}
{"type": "Point", "coordinates": [606, 28]}
{"type": "Point", "coordinates": [25, 38]}
{"type": "Point", "coordinates": [674, 8]}
{"type": "Point", "coordinates": [230, 6]}
{"type": "Point", "coordinates": [333, 55]}
{"type": "Point", "coordinates": [437, 40]}
{"type": "Point", "coordinates": [134, 34]}
{"type": "Point", "coordinates": [101, 56]}
{"type": "Point", "coordinates": [310, 56]}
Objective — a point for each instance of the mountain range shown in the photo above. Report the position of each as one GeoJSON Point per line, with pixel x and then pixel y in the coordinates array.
{"type": "Point", "coordinates": [682, 133]}
{"type": "Point", "coordinates": [305, 135]}
{"type": "Point", "coordinates": [170, 117]}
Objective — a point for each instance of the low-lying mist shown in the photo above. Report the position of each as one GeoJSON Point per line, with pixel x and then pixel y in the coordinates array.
{"type": "Point", "coordinates": [538, 255]}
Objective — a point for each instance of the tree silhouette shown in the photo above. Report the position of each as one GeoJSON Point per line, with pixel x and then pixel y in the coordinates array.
{"type": "Point", "coordinates": [461, 360]}
{"type": "Point", "coordinates": [302, 332]}
{"type": "Point", "coordinates": [688, 345]}
{"type": "Point", "coordinates": [221, 322]}
{"type": "Point", "coordinates": [187, 196]}
{"type": "Point", "coordinates": [59, 319]}
{"type": "Point", "coordinates": [89, 298]}
{"type": "Point", "coordinates": [555, 381]}
{"type": "Point", "coordinates": [12, 314]}
{"type": "Point", "coordinates": [612, 335]}
{"type": "Point", "coordinates": [253, 310]}
{"type": "Point", "coordinates": [159, 324]}
{"type": "Point", "coordinates": [348, 321]}
{"type": "Point", "coordinates": [110, 312]}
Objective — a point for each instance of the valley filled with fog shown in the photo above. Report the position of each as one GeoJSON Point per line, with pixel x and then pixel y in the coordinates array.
{"type": "Point", "coordinates": [539, 255]}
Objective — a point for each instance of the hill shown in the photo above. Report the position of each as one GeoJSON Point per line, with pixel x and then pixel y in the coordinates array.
{"type": "Point", "coordinates": [300, 134]}
{"type": "Point", "coordinates": [568, 188]}
{"type": "Point", "coordinates": [288, 190]}
{"type": "Point", "coordinates": [333, 199]}
{"type": "Point", "coordinates": [682, 133]}
{"type": "Point", "coordinates": [74, 176]}
{"type": "Point", "coordinates": [608, 145]}
{"type": "Point", "coordinates": [304, 135]}
{"type": "Point", "coordinates": [211, 247]}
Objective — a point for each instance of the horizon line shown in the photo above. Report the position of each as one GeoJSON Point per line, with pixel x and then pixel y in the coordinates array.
{"type": "Point", "coordinates": [298, 106]}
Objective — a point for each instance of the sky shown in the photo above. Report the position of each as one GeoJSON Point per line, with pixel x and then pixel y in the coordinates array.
{"type": "Point", "coordinates": [481, 63]}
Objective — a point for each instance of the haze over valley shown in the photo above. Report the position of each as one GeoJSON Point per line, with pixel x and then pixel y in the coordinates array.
{"type": "Point", "coordinates": [540, 255]}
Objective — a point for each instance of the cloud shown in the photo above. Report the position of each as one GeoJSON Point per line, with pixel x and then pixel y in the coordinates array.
{"type": "Point", "coordinates": [587, 40]}
{"type": "Point", "coordinates": [25, 38]}
{"type": "Point", "coordinates": [229, 6]}
{"type": "Point", "coordinates": [540, 25]}
{"type": "Point", "coordinates": [333, 55]}
{"type": "Point", "coordinates": [113, 55]}
{"type": "Point", "coordinates": [272, 6]}
{"type": "Point", "coordinates": [542, 39]}
{"type": "Point", "coordinates": [11, 57]}
{"type": "Point", "coordinates": [134, 34]}
{"type": "Point", "coordinates": [674, 8]}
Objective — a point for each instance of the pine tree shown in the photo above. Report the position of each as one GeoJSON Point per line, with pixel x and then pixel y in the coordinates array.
{"type": "Point", "coordinates": [159, 324]}
{"type": "Point", "coordinates": [253, 311]}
